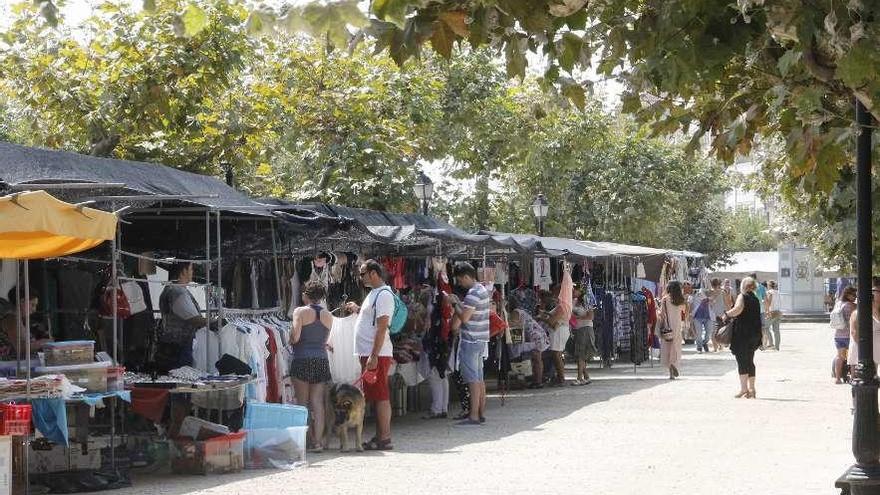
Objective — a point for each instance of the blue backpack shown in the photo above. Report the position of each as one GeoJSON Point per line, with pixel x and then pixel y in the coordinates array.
{"type": "Point", "coordinates": [398, 318]}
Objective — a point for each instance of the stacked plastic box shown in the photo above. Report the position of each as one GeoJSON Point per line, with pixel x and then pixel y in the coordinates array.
{"type": "Point", "coordinates": [276, 435]}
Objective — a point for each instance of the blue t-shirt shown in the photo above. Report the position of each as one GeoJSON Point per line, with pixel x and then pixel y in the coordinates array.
{"type": "Point", "coordinates": [702, 312]}
{"type": "Point", "coordinates": [477, 328]}
{"type": "Point", "coordinates": [761, 292]}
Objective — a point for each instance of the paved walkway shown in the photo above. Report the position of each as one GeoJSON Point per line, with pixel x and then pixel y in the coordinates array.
{"type": "Point", "coordinates": [627, 433]}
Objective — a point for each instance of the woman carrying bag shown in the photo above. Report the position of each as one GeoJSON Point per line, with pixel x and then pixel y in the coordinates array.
{"type": "Point", "coordinates": [669, 314]}
{"type": "Point", "coordinates": [747, 335]}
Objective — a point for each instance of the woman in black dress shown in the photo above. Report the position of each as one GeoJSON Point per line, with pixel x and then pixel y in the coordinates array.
{"type": "Point", "coordinates": [746, 336]}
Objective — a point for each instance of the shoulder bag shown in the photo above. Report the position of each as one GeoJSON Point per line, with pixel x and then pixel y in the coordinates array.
{"type": "Point", "coordinates": [665, 328]}
{"type": "Point", "coordinates": [725, 332]}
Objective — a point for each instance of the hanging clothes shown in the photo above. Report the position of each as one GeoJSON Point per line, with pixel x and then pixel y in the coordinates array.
{"type": "Point", "coordinates": [344, 365]}
{"type": "Point", "coordinates": [526, 299]}
{"type": "Point", "coordinates": [295, 293]}
{"type": "Point", "coordinates": [542, 275]}
{"type": "Point", "coordinates": [255, 282]}
{"type": "Point", "coordinates": [651, 307]}
{"type": "Point", "coordinates": [320, 272]}
{"type": "Point", "coordinates": [273, 385]}
{"type": "Point", "coordinates": [437, 340]}
{"type": "Point", "coordinates": [639, 340]}
{"type": "Point", "coordinates": [623, 326]}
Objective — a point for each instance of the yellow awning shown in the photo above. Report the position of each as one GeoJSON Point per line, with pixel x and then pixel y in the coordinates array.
{"type": "Point", "coordinates": [35, 225]}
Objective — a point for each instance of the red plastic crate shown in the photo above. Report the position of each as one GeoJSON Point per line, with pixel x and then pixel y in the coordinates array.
{"type": "Point", "coordinates": [15, 427]}
{"type": "Point", "coordinates": [224, 454]}
{"type": "Point", "coordinates": [15, 419]}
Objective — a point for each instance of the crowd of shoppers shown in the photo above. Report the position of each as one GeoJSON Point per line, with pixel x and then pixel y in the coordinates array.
{"type": "Point", "coordinates": [562, 316]}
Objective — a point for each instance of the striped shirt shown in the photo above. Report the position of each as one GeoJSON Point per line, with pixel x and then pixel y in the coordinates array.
{"type": "Point", "coordinates": [477, 328]}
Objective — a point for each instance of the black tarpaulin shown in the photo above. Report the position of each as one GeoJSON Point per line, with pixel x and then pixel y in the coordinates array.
{"type": "Point", "coordinates": [21, 165]}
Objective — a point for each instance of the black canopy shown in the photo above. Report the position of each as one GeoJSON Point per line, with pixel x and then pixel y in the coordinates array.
{"type": "Point", "coordinates": [20, 165]}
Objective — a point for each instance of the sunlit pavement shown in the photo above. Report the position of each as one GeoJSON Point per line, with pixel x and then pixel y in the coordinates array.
{"type": "Point", "coordinates": [629, 432]}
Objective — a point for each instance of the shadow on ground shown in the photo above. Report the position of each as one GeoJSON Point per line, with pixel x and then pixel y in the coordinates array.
{"type": "Point", "coordinates": [516, 412]}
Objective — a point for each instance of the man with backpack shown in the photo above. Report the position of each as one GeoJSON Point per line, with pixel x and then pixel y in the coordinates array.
{"type": "Point", "coordinates": [373, 346]}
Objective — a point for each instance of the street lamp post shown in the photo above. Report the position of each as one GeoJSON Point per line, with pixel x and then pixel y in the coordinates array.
{"type": "Point", "coordinates": [864, 477]}
{"type": "Point", "coordinates": [540, 207]}
{"type": "Point", "coordinates": [424, 190]}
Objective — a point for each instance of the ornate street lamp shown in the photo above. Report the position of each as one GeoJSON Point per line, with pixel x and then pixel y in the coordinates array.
{"type": "Point", "coordinates": [424, 190]}
{"type": "Point", "coordinates": [540, 208]}
{"type": "Point", "coordinates": [864, 477]}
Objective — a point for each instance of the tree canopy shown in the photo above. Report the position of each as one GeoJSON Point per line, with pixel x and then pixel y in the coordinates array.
{"type": "Point", "coordinates": [197, 85]}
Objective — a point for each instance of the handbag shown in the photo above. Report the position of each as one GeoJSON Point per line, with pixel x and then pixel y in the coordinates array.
{"type": "Point", "coordinates": [665, 329]}
{"type": "Point", "coordinates": [123, 308]}
{"type": "Point", "coordinates": [725, 332]}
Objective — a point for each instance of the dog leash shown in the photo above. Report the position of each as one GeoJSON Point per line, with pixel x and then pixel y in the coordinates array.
{"type": "Point", "coordinates": [363, 378]}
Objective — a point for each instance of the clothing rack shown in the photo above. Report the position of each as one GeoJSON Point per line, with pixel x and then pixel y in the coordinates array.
{"type": "Point", "coordinates": [247, 312]}
{"type": "Point", "coordinates": [79, 260]}
{"type": "Point", "coordinates": [163, 282]}
{"type": "Point", "coordinates": [163, 260]}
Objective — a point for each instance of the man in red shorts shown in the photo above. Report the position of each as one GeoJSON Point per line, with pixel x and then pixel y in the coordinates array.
{"type": "Point", "coordinates": [373, 347]}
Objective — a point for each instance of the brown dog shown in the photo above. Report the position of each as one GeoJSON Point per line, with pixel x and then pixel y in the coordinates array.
{"type": "Point", "coordinates": [345, 408]}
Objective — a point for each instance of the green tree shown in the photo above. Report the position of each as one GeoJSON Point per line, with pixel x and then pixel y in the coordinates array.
{"type": "Point", "coordinates": [730, 74]}
{"type": "Point", "coordinates": [748, 232]}
{"type": "Point", "coordinates": [142, 85]}
{"type": "Point", "coordinates": [357, 126]}
{"type": "Point", "coordinates": [606, 180]}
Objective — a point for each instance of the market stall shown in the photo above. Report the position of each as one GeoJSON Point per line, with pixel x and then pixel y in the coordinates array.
{"type": "Point", "coordinates": [35, 225]}
{"type": "Point", "coordinates": [250, 259]}
{"type": "Point", "coordinates": [170, 218]}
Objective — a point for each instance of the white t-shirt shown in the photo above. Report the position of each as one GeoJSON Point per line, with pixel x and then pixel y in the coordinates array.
{"type": "Point", "coordinates": [775, 303]}
{"type": "Point", "coordinates": [365, 328]}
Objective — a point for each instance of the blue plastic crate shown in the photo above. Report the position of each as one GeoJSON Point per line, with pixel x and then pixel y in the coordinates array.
{"type": "Point", "coordinates": [258, 415]}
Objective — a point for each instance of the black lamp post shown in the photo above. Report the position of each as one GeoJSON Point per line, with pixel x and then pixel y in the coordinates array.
{"type": "Point", "coordinates": [864, 476]}
{"type": "Point", "coordinates": [540, 208]}
{"type": "Point", "coordinates": [424, 190]}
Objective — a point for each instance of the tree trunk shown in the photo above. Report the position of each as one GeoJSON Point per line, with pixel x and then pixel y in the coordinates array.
{"type": "Point", "coordinates": [482, 201]}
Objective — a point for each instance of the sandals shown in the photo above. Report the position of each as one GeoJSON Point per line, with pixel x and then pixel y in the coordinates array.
{"type": "Point", "coordinates": [376, 444]}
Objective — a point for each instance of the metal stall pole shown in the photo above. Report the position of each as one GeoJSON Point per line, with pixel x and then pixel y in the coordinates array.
{"type": "Point", "coordinates": [114, 281]}
{"type": "Point", "coordinates": [121, 333]}
{"type": "Point", "coordinates": [27, 350]}
{"type": "Point", "coordinates": [207, 286]}
{"type": "Point", "coordinates": [220, 302]}
{"type": "Point", "coordinates": [18, 319]}
{"type": "Point", "coordinates": [275, 260]}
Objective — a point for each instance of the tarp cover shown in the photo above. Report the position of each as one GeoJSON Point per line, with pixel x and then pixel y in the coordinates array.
{"type": "Point", "coordinates": [559, 246]}
{"type": "Point", "coordinates": [35, 225]}
{"type": "Point", "coordinates": [23, 164]}
{"type": "Point", "coordinates": [765, 264]}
